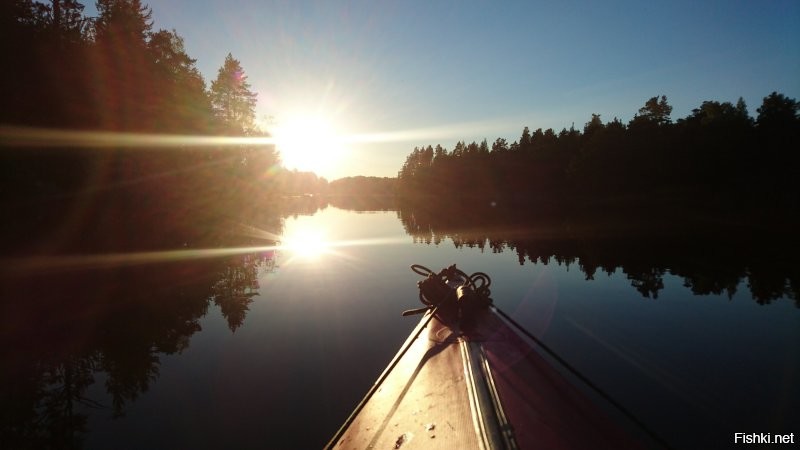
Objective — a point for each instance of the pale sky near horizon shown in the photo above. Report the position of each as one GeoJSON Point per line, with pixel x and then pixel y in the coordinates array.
{"type": "Point", "coordinates": [413, 73]}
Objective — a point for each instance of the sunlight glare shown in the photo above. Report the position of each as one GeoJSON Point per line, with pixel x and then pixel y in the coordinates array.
{"type": "Point", "coordinates": [309, 143]}
{"type": "Point", "coordinates": [306, 244]}
{"type": "Point", "coordinates": [48, 137]}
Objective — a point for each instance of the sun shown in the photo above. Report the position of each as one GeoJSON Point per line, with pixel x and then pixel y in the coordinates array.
{"type": "Point", "coordinates": [309, 142]}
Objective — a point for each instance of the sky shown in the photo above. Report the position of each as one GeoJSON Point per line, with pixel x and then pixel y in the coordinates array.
{"type": "Point", "coordinates": [395, 75]}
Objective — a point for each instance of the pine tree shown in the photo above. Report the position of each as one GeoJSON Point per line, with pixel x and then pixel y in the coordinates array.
{"type": "Point", "coordinates": [123, 23]}
{"type": "Point", "coordinates": [181, 97]}
{"type": "Point", "coordinates": [655, 111]}
{"type": "Point", "coordinates": [126, 100]}
{"type": "Point", "coordinates": [233, 101]}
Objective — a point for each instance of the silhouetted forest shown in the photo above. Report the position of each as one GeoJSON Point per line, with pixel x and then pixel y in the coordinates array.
{"type": "Point", "coordinates": [363, 193]}
{"type": "Point", "coordinates": [112, 72]}
{"type": "Point", "coordinates": [71, 81]}
{"type": "Point", "coordinates": [354, 186]}
{"type": "Point", "coordinates": [718, 160]}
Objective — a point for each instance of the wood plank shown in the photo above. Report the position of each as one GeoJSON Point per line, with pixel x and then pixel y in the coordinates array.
{"type": "Point", "coordinates": [423, 403]}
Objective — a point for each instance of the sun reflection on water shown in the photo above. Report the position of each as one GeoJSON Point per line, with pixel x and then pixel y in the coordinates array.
{"type": "Point", "coordinates": [315, 240]}
{"type": "Point", "coordinates": [308, 244]}
{"type": "Point", "coordinates": [322, 241]}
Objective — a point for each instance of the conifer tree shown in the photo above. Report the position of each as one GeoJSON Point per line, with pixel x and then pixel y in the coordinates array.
{"type": "Point", "coordinates": [233, 101]}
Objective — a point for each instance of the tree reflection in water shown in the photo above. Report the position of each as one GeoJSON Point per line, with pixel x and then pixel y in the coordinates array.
{"type": "Point", "coordinates": [710, 257]}
{"type": "Point", "coordinates": [237, 285]}
{"type": "Point", "coordinates": [62, 329]}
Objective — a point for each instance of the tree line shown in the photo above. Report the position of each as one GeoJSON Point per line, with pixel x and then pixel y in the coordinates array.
{"type": "Point", "coordinates": [117, 73]}
{"type": "Point", "coordinates": [717, 155]}
{"type": "Point", "coordinates": [112, 72]}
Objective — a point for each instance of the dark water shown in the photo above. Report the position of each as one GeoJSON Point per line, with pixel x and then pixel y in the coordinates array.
{"type": "Point", "coordinates": [698, 336]}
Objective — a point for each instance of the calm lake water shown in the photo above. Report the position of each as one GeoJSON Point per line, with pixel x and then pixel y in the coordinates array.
{"type": "Point", "coordinates": [274, 348]}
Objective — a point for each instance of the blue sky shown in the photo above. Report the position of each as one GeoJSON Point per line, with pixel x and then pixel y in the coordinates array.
{"type": "Point", "coordinates": [429, 72]}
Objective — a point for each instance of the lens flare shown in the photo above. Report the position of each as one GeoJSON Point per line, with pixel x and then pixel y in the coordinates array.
{"type": "Point", "coordinates": [13, 136]}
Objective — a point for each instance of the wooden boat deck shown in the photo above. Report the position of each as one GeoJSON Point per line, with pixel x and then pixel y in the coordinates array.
{"type": "Point", "coordinates": [486, 388]}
